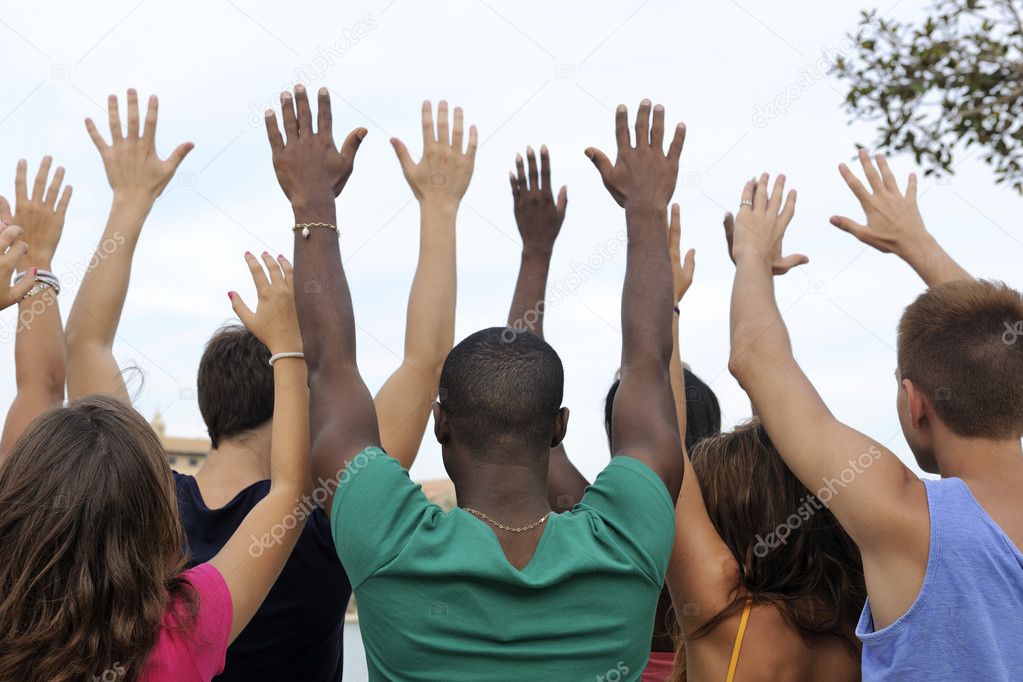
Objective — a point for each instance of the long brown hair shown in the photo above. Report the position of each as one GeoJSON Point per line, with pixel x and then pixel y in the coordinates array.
{"type": "Point", "coordinates": [90, 546]}
{"type": "Point", "coordinates": [790, 549]}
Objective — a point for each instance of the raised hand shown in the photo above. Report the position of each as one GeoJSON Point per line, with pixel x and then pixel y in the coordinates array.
{"type": "Point", "coordinates": [537, 214]}
{"type": "Point", "coordinates": [275, 321]}
{"type": "Point", "coordinates": [11, 250]}
{"type": "Point", "coordinates": [443, 172]}
{"type": "Point", "coordinates": [759, 227]}
{"type": "Point", "coordinates": [644, 174]}
{"type": "Point", "coordinates": [682, 271]}
{"type": "Point", "coordinates": [41, 215]}
{"type": "Point", "coordinates": [894, 222]}
{"type": "Point", "coordinates": [310, 168]}
{"type": "Point", "coordinates": [134, 169]}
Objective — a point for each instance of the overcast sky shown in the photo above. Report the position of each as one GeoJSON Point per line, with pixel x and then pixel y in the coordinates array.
{"type": "Point", "coordinates": [525, 73]}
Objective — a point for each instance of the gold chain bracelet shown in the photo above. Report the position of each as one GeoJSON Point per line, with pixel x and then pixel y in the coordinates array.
{"type": "Point", "coordinates": [305, 228]}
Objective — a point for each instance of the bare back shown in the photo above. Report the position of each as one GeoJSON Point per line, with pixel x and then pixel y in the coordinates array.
{"type": "Point", "coordinates": [772, 649]}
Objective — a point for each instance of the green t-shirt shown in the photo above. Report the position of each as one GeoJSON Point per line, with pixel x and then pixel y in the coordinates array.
{"type": "Point", "coordinates": [438, 599]}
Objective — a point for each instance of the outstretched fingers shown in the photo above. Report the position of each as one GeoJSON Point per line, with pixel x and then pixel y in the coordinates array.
{"type": "Point", "coordinates": [304, 112]}
{"type": "Point", "coordinates": [677, 142]}
{"type": "Point", "coordinates": [545, 168]}
{"type": "Point", "coordinates": [324, 115]}
{"type": "Point", "coordinates": [149, 129]}
{"type": "Point", "coordinates": [534, 179]}
{"type": "Point", "coordinates": [133, 113]}
{"type": "Point", "coordinates": [643, 124]}
{"type": "Point", "coordinates": [114, 118]}
{"type": "Point", "coordinates": [40, 182]}
{"type": "Point", "coordinates": [622, 128]}
{"type": "Point", "coordinates": [273, 132]}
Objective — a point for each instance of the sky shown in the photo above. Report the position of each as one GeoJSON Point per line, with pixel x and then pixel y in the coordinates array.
{"type": "Point", "coordinates": [525, 73]}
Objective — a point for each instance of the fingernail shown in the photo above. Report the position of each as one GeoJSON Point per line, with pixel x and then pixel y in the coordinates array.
{"type": "Point", "coordinates": [230, 297]}
{"type": "Point", "coordinates": [323, 91]}
{"type": "Point", "coordinates": [299, 88]}
{"type": "Point", "coordinates": [34, 271]}
{"type": "Point", "coordinates": [247, 253]}
{"type": "Point", "coordinates": [265, 254]}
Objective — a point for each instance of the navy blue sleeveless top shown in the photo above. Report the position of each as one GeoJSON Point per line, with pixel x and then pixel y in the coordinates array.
{"type": "Point", "coordinates": [297, 633]}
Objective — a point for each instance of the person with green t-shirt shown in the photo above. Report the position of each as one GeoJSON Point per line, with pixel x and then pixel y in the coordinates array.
{"type": "Point", "coordinates": [500, 587]}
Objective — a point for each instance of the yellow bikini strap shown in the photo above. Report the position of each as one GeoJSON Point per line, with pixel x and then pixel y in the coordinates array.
{"type": "Point", "coordinates": [738, 639]}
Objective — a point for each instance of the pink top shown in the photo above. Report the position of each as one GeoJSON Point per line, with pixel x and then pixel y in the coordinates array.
{"type": "Point", "coordinates": [199, 655]}
{"type": "Point", "coordinates": [660, 667]}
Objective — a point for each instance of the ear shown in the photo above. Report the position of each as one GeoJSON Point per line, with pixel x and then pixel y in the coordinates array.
{"type": "Point", "coordinates": [560, 427]}
{"type": "Point", "coordinates": [441, 428]}
{"type": "Point", "coordinates": [917, 403]}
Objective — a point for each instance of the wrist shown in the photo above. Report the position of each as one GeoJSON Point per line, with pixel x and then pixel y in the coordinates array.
{"type": "Point", "coordinates": [28, 262]}
{"type": "Point", "coordinates": [446, 207]}
{"type": "Point", "coordinates": [918, 250]}
{"type": "Point", "coordinates": [133, 200]}
{"type": "Point", "coordinates": [751, 258]}
{"type": "Point", "coordinates": [285, 346]}
{"type": "Point", "coordinates": [315, 209]}
{"type": "Point", "coordinates": [537, 251]}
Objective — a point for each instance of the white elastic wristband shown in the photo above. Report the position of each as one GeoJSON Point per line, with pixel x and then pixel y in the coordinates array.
{"type": "Point", "coordinates": [275, 358]}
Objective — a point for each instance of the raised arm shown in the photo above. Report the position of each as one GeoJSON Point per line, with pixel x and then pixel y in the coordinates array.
{"type": "Point", "coordinates": [642, 180]}
{"type": "Point", "coordinates": [539, 217]}
{"type": "Point", "coordinates": [894, 224]}
{"type": "Point", "coordinates": [876, 498]}
{"type": "Point", "coordinates": [438, 181]}
{"type": "Point", "coordinates": [312, 172]}
{"type": "Point", "coordinates": [39, 355]}
{"type": "Point", "coordinates": [702, 570]}
{"type": "Point", "coordinates": [137, 177]}
{"type": "Point", "coordinates": [256, 553]}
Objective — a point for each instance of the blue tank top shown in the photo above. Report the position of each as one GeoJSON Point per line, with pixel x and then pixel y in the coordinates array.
{"type": "Point", "coordinates": [297, 633]}
{"type": "Point", "coordinates": [967, 621]}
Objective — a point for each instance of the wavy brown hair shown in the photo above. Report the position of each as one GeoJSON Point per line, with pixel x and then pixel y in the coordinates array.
{"type": "Point", "coordinates": [90, 546]}
{"type": "Point", "coordinates": [811, 572]}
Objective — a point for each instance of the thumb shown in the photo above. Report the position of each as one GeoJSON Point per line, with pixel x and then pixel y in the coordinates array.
{"type": "Point", "coordinates": [404, 158]}
{"type": "Point", "coordinates": [729, 232]}
{"type": "Point", "coordinates": [689, 265]}
{"type": "Point", "coordinates": [788, 262]}
{"type": "Point", "coordinates": [599, 160]}
{"type": "Point", "coordinates": [179, 154]}
{"type": "Point", "coordinates": [675, 229]}
{"type": "Point", "coordinates": [241, 310]}
{"type": "Point", "coordinates": [851, 226]}
{"type": "Point", "coordinates": [21, 289]}
{"type": "Point", "coordinates": [352, 142]}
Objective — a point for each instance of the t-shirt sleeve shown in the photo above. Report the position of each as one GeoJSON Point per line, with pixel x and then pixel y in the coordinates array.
{"type": "Point", "coordinates": [212, 631]}
{"type": "Point", "coordinates": [637, 511]}
{"type": "Point", "coordinates": [377, 509]}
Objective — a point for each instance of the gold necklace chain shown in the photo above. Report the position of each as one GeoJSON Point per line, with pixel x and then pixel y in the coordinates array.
{"type": "Point", "coordinates": [476, 512]}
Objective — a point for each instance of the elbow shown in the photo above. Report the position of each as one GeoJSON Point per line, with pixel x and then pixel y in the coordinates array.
{"type": "Point", "coordinates": [740, 363]}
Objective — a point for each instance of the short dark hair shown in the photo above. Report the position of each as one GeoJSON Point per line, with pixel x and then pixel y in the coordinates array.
{"type": "Point", "coordinates": [703, 413]}
{"type": "Point", "coordinates": [502, 385]}
{"type": "Point", "coordinates": [235, 382]}
{"type": "Point", "coordinates": [958, 343]}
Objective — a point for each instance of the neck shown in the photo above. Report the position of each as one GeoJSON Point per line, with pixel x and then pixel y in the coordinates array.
{"type": "Point", "coordinates": [513, 494]}
{"type": "Point", "coordinates": [978, 458]}
{"type": "Point", "coordinates": [240, 460]}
